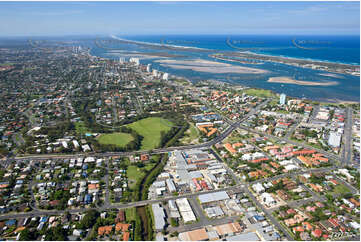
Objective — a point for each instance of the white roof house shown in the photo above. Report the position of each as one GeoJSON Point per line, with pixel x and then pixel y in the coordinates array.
{"type": "Point", "coordinates": [267, 199]}
{"type": "Point", "coordinates": [258, 188]}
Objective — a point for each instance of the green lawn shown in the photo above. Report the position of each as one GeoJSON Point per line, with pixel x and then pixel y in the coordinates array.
{"type": "Point", "coordinates": [259, 92]}
{"type": "Point", "coordinates": [135, 173]}
{"type": "Point", "coordinates": [340, 189]}
{"type": "Point", "coordinates": [80, 128]}
{"type": "Point", "coordinates": [119, 139]}
{"type": "Point", "coordinates": [130, 214]}
{"type": "Point", "coordinates": [150, 129]}
{"type": "Point", "coordinates": [191, 135]}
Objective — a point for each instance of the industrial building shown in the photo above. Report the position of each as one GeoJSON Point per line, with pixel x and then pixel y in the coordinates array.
{"type": "Point", "coordinates": [185, 210]}
{"type": "Point", "coordinates": [213, 197]}
{"type": "Point", "coordinates": [159, 217]}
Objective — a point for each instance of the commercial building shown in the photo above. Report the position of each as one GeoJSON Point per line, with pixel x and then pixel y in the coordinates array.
{"type": "Point", "coordinates": [228, 229]}
{"type": "Point", "coordinates": [283, 99]}
{"type": "Point", "coordinates": [251, 236]}
{"type": "Point", "coordinates": [159, 217]}
{"type": "Point", "coordinates": [194, 235]}
{"type": "Point", "coordinates": [213, 197]}
{"type": "Point", "coordinates": [173, 210]}
{"type": "Point", "coordinates": [185, 210]}
{"type": "Point", "coordinates": [165, 76]}
{"type": "Point", "coordinates": [334, 140]}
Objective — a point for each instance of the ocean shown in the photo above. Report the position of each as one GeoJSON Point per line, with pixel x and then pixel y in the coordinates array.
{"type": "Point", "coordinates": [335, 49]}
{"type": "Point", "coordinates": [339, 49]}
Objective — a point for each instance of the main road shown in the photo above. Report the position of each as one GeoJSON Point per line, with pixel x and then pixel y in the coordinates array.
{"type": "Point", "coordinates": [208, 144]}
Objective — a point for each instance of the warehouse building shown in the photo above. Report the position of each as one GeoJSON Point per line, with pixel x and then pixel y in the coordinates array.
{"type": "Point", "coordinates": [185, 210]}
{"type": "Point", "coordinates": [213, 197]}
{"type": "Point", "coordinates": [194, 235]}
{"type": "Point", "coordinates": [159, 217]}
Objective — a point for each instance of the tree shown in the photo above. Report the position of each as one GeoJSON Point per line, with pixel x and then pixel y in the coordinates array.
{"type": "Point", "coordinates": [89, 219]}
{"type": "Point", "coordinates": [57, 233]}
{"type": "Point", "coordinates": [26, 234]}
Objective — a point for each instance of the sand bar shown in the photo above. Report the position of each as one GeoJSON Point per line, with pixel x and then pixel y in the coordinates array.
{"type": "Point", "coordinates": [209, 66]}
{"type": "Point", "coordinates": [288, 80]}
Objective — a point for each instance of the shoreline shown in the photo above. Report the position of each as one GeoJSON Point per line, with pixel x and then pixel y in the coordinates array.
{"type": "Point", "coordinates": [320, 100]}
{"type": "Point", "coordinates": [235, 51]}
{"type": "Point", "coordinates": [301, 59]}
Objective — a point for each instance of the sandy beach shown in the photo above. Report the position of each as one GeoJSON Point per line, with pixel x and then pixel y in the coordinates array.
{"type": "Point", "coordinates": [288, 80]}
{"type": "Point", "coordinates": [202, 65]}
{"type": "Point", "coordinates": [331, 75]}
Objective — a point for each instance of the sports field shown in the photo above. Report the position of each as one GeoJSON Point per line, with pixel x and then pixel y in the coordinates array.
{"type": "Point", "coordinates": [150, 129]}
{"type": "Point", "coordinates": [119, 139]}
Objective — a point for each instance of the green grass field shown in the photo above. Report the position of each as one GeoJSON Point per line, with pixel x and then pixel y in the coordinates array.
{"type": "Point", "coordinates": [119, 139]}
{"type": "Point", "coordinates": [150, 129]}
{"type": "Point", "coordinates": [259, 92]}
{"type": "Point", "coordinates": [130, 214]}
{"type": "Point", "coordinates": [80, 128]}
{"type": "Point", "coordinates": [135, 173]}
{"type": "Point", "coordinates": [340, 189]}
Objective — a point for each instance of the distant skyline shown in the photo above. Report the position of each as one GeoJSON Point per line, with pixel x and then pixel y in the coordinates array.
{"type": "Point", "coordinates": [144, 18]}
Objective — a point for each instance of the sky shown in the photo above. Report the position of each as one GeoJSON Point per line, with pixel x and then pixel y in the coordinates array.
{"type": "Point", "coordinates": [146, 18]}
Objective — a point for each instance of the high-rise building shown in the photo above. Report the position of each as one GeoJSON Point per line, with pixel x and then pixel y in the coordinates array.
{"type": "Point", "coordinates": [283, 99]}
{"type": "Point", "coordinates": [149, 67]}
{"type": "Point", "coordinates": [121, 60]}
{"type": "Point", "coordinates": [165, 76]}
{"type": "Point", "coordinates": [134, 60]}
{"type": "Point", "coordinates": [155, 73]}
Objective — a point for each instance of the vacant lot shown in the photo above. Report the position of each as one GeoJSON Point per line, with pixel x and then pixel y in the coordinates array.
{"type": "Point", "coordinates": [259, 92]}
{"type": "Point", "coordinates": [191, 135]}
{"type": "Point", "coordinates": [340, 190]}
{"type": "Point", "coordinates": [119, 139]}
{"type": "Point", "coordinates": [150, 129]}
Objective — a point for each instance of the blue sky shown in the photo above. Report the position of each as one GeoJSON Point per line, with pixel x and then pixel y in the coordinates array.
{"type": "Point", "coordinates": [131, 18]}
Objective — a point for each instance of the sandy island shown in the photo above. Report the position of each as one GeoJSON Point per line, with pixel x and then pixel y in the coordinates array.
{"type": "Point", "coordinates": [331, 75]}
{"type": "Point", "coordinates": [209, 66]}
{"type": "Point", "coordinates": [288, 80]}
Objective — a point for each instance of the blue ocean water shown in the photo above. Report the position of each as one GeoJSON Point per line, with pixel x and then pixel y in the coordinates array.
{"type": "Point", "coordinates": [340, 49]}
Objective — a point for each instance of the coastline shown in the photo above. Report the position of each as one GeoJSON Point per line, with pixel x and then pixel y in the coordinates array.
{"type": "Point", "coordinates": [161, 45]}
{"type": "Point", "coordinates": [235, 51]}
{"type": "Point", "coordinates": [301, 59]}
{"type": "Point", "coordinates": [336, 100]}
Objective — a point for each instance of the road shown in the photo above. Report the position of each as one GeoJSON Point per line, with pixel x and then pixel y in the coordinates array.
{"type": "Point", "coordinates": [269, 215]}
{"type": "Point", "coordinates": [214, 141]}
{"type": "Point", "coordinates": [347, 138]}
{"type": "Point", "coordinates": [39, 212]}
{"type": "Point", "coordinates": [203, 220]}
{"type": "Point", "coordinates": [325, 153]}
{"type": "Point", "coordinates": [292, 129]}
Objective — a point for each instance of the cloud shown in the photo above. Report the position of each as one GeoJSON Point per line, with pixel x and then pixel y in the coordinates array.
{"type": "Point", "coordinates": [310, 9]}
{"type": "Point", "coordinates": [58, 13]}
